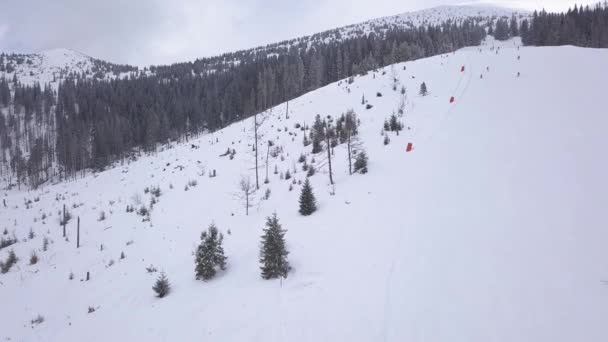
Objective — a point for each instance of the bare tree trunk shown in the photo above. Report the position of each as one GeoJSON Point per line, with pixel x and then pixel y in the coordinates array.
{"type": "Point", "coordinates": [331, 179]}
{"type": "Point", "coordinates": [255, 129]}
{"type": "Point", "coordinates": [350, 159]}
{"type": "Point", "coordinates": [267, 157]}
{"type": "Point", "coordinates": [245, 192]}
{"type": "Point", "coordinates": [63, 220]}
{"type": "Point", "coordinates": [287, 111]}
{"type": "Point", "coordinates": [78, 233]}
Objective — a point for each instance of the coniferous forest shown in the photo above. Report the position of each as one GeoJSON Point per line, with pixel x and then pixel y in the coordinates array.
{"type": "Point", "coordinates": [88, 123]}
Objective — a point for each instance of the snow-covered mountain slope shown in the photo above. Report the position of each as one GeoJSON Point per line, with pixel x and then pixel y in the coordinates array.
{"type": "Point", "coordinates": [53, 66]}
{"type": "Point", "coordinates": [492, 228]}
{"type": "Point", "coordinates": [483, 14]}
{"type": "Point", "coordinates": [433, 16]}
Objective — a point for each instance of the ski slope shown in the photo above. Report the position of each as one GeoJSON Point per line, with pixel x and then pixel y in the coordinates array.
{"type": "Point", "coordinates": [492, 229]}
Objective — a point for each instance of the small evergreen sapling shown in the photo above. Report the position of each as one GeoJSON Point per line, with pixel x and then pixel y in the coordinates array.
{"type": "Point", "coordinates": [10, 261]}
{"type": "Point", "coordinates": [308, 203]}
{"type": "Point", "coordinates": [423, 90]}
{"type": "Point", "coordinates": [33, 258]}
{"type": "Point", "coordinates": [273, 253]}
{"type": "Point", "coordinates": [162, 286]}
{"type": "Point", "coordinates": [210, 254]}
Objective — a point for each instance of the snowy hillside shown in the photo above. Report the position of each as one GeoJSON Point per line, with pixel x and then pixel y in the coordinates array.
{"type": "Point", "coordinates": [482, 14]}
{"type": "Point", "coordinates": [52, 66]}
{"type": "Point", "coordinates": [433, 16]}
{"type": "Point", "coordinates": [491, 229]}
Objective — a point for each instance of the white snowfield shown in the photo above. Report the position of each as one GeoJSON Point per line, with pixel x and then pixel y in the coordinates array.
{"type": "Point", "coordinates": [493, 228]}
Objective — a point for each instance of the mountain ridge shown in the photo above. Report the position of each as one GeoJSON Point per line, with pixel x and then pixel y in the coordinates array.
{"type": "Point", "coordinates": [74, 61]}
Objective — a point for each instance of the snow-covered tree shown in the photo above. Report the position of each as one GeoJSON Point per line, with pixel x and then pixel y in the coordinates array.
{"type": "Point", "coordinates": [210, 254]}
{"type": "Point", "coordinates": [361, 162]}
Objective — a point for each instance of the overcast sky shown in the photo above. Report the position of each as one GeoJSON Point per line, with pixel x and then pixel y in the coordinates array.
{"type": "Point", "coordinates": [143, 32]}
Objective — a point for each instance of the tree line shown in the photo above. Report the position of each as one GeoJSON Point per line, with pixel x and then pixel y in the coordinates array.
{"type": "Point", "coordinates": [90, 123]}
{"type": "Point", "coordinates": [579, 26]}
{"type": "Point", "coordinates": [98, 122]}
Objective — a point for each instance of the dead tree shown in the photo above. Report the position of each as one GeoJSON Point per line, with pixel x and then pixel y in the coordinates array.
{"type": "Point", "coordinates": [245, 194]}
{"type": "Point", "coordinates": [287, 111]}
{"type": "Point", "coordinates": [268, 160]}
{"type": "Point", "coordinates": [327, 138]}
{"type": "Point", "coordinates": [78, 233]}
{"type": "Point", "coordinates": [255, 148]}
{"type": "Point", "coordinates": [256, 137]}
{"type": "Point", "coordinates": [64, 221]}
{"type": "Point", "coordinates": [350, 127]}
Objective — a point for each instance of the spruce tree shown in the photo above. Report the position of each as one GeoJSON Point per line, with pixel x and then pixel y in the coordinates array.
{"type": "Point", "coordinates": [220, 258]}
{"type": "Point", "coordinates": [502, 30]}
{"type": "Point", "coordinates": [210, 254]}
{"type": "Point", "coordinates": [423, 90]}
{"type": "Point", "coordinates": [308, 203]}
{"type": "Point", "coordinates": [10, 261]}
{"type": "Point", "coordinates": [394, 124]}
{"type": "Point", "coordinates": [273, 253]}
{"type": "Point", "coordinates": [361, 162]}
{"type": "Point", "coordinates": [162, 286]}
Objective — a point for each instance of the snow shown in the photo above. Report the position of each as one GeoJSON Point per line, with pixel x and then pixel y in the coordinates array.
{"type": "Point", "coordinates": [483, 13]}
{"type": "Point", "coordinates": [54, 65]}
{"type": "Point", "coordinates": [491, 229]}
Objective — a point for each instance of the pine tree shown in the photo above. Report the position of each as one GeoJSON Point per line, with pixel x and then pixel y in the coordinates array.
{"type": "Point", "coordinates": [219, 257]}
{"type": "Point", "coordinates": [210, 254]}
{"type": "Point", "coordinates": [162, 286]}
{"type": "Point", "coordinates": [395, 125]}
{"type": "Point", "coordinates": [317, 134]}
{"type": "Point", "coordinates": [308, 203]}
{"type": "Point", "coordinates": [513, 26]}
{"type": "Point", "coordinates": [423, 90]}
{"type": "Point", "coordinates": [502, 30]}
{"type": "Point", "coordinates": [273, 253]}
{"type": "Point", "coordinates": [10, 261]}
{"type": "Point", "coordinates": [361, 162]}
